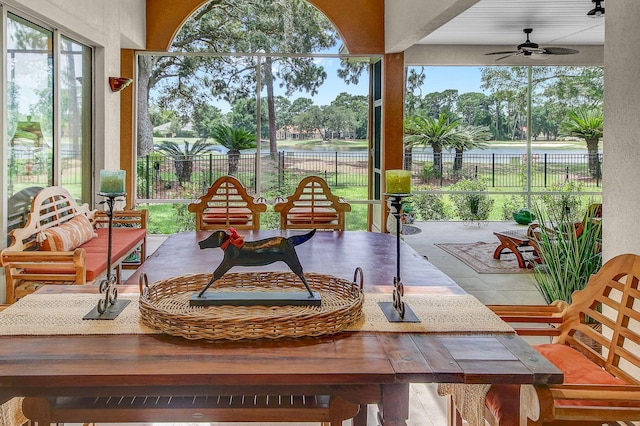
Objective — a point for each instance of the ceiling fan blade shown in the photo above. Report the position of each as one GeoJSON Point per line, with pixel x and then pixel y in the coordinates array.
{"type": "Point", "coordinates": [511, 54]}
{"type": "Point", "coordinates": [559, 51]}
{"type": "Point", "coordinates": [503, 53]}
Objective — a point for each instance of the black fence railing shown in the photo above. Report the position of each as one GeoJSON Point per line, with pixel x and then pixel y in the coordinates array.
{"type": "Point", "coordinates": [164, 178]}
{"type": "Point", "coordinates": [506, 170]}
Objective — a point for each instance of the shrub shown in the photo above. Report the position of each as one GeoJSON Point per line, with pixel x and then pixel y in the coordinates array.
{"type": "Point", "coordinates": [472, 203]}
{"type": "Point", "coordinates": [510, 205]}
{"type": "Point", "coordinates": [427, 173]}
{"type": "Point", "coordinates": [430, 207]}
{"type": "Point", "coordinates": [564, 202]}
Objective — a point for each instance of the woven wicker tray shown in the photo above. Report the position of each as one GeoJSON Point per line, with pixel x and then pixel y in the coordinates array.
{"type": "Point", "coordinates": [164, 305]}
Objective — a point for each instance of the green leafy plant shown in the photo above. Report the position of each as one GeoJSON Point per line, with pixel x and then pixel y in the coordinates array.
{"type": "Point", "coordinates": [430, 207]}
{"type": "Point", "coordinates": [567, 258]}
{"type": "Point", "coordinates": [234, 139]}
{"type": "Point", "coordinates": [472, 203]}
{"type": "Point", "coordinates": [183, 156]}
{"type": "Point", "coordinates": [510, 205]}
{"type": "Point", "coordinates": [427, 173]}
{"type": "Point", "coordinates": [586, 123]}
{"type": "Point", "coordinates": [564, 201]}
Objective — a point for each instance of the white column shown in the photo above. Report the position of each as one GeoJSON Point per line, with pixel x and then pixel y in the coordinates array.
{"type": "Point", "coordinates": [621, 147]}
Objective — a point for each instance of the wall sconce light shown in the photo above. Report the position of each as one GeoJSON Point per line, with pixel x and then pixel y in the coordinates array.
{"type": "Point", "coordinates": [119, 83]}
{"type": "Point", "coordinates": [597, 11]}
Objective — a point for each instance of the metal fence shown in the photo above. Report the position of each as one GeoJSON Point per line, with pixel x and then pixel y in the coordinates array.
{"type": "Point", "coordinates": [164, 178]}
{"type": "Point", "coordinates": [506, 170]}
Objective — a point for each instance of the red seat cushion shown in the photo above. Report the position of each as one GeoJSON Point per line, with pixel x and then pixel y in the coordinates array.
{"type": "Point", "coordinates": [124, 240]}
{"type": "Point", "coordinates": [234, 215]}
{"type": "Point", "coordinates": [504, 400]}
{"type": "Point", "coordinates": [299, 215]}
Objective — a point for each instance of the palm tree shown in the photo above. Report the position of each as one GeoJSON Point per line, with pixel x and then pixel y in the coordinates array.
{"type": "Point", "coordinates": [183, 158]}
{"type": "Point", "coordinates": [234, 139]}
{"type": "Point", "coordinates": [586, 123]}
{"type": "Point", "coordinates": [441, 132]}
{"type": "Point", "coordinates": [475, 137]}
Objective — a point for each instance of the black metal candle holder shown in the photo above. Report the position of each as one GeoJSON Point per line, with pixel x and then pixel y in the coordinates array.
{"type": "Point", "coordinates": [109, 307]}
{"type": "Point", "coordinates": [397, 311]}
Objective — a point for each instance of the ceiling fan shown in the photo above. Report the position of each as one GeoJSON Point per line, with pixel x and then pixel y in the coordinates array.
{"type": "Point", "coordinates": [533, 50]}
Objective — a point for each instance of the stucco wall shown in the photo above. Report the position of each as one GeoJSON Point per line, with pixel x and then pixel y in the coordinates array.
{"type": "Point", "coordinates": [621, 149]}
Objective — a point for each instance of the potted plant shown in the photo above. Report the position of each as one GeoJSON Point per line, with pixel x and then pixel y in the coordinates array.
{"type": "Point", "coordinates": [472, 204]}
{"type": "Point", "coordinates": [407, 212]}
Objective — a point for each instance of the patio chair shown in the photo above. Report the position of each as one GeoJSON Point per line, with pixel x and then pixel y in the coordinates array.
{"type": "Point", "coordinates": [227, 204]}
{"type": "Point", "coordinates": [312, 206]}
{"type": "Point", "coordinates": [594, 343]}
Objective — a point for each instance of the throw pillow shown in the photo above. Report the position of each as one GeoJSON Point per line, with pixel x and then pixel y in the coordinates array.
{"type": "Point", "coordinates": [68, 236]}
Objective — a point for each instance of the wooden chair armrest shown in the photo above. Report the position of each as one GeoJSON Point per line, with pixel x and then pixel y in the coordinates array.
{"type": "Point", "coordinates": [592, 392]}
{"type": "Point", "coordinates": [550, 317]}
{"type": "Point", "coordinates": [19, 257]}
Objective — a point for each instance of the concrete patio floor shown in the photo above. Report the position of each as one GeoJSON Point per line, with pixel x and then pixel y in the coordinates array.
{"type": "Point", "coordinates": [426, 407]}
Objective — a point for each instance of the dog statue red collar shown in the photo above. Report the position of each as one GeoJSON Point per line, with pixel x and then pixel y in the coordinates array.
{"type": "Point", "coordinates": [234, 238]}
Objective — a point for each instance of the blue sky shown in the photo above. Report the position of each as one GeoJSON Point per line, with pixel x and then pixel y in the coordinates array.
{"type": "Point", "coordinates": [465, 79]}
{"type": "Point", "coordinates": [438, 79]}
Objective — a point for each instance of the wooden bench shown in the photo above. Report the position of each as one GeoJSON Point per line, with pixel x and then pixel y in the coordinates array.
{"type": "Point", "coordinates": [595, 343]}
{"type": "Point", "coordinates": [227, 204]}
{"type": "Point", "coordinates": [312, 206]}
{"type": "Point", "coordinates": [518, 243]}
{"type": "Point", "coordinates": [65, 243]}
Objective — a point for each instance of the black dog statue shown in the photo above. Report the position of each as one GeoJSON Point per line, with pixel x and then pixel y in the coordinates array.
{"type": "Point", "coordinates": [237, 252]}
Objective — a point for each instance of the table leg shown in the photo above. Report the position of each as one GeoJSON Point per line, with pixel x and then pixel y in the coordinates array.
{"type": "Point", "coordinates": [394, 410]}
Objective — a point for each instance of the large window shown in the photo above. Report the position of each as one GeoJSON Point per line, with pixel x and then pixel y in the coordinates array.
{"type": "Point", "coordinates": [49, 133]}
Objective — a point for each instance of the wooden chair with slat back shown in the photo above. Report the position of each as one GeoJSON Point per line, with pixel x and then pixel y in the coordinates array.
{"type": "Point", "coordinates": [595, 342]}
{"type": "Point", "coordinates": [227, 204]}
{"type": "Point", "coordinates": [312, 206]}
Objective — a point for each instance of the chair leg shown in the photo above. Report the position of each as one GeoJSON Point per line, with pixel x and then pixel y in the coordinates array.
{"type": "Point", "coordinates": [37, 410]}
{"type": "Point", "coordinates": [340, 409]}
{"type": "Point", "coordinates": [453, 416]}
{"type": "Point", "coordinates": [360, 419]}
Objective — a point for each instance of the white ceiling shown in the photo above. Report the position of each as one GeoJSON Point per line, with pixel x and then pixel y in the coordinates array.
{"type": "Point", "coordinates": [500, 22]}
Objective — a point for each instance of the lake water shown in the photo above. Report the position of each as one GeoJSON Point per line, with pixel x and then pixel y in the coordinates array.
{"type": "Point", "coordinates": [517, 150]}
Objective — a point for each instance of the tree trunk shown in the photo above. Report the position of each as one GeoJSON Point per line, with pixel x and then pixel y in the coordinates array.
{"type": "Point", "coordinates": [268, 77]}
{"type": "Point", "coordinates": [594, 160]}
{"type": "Point", "coordinates": [437, 160]}
{"type": "Point", "coordinates": [145, 127]}
{"type": "Point", "coordinates": [184, 168]}
{"type": "Point", "coordinates": [233, 155]}
{"type": "Point", "coordinates": [457, 162]}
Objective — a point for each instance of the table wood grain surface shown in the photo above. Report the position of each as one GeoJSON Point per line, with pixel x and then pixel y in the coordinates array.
{"type": "Point", "coordinates": [363, 367]}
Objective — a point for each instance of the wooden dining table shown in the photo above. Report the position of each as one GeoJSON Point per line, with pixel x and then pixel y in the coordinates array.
{"type": "Point", "coordinates": [363, 367]}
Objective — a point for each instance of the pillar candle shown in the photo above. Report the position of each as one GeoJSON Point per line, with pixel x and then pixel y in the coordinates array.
{"type": "Point", "coordinates": [112, 181]}
{"type": "Point", "coordinates": [398, 181]}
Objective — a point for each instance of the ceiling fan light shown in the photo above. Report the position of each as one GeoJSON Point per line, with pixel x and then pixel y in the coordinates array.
{"type": "Point", "coordinates": [597, 11]}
